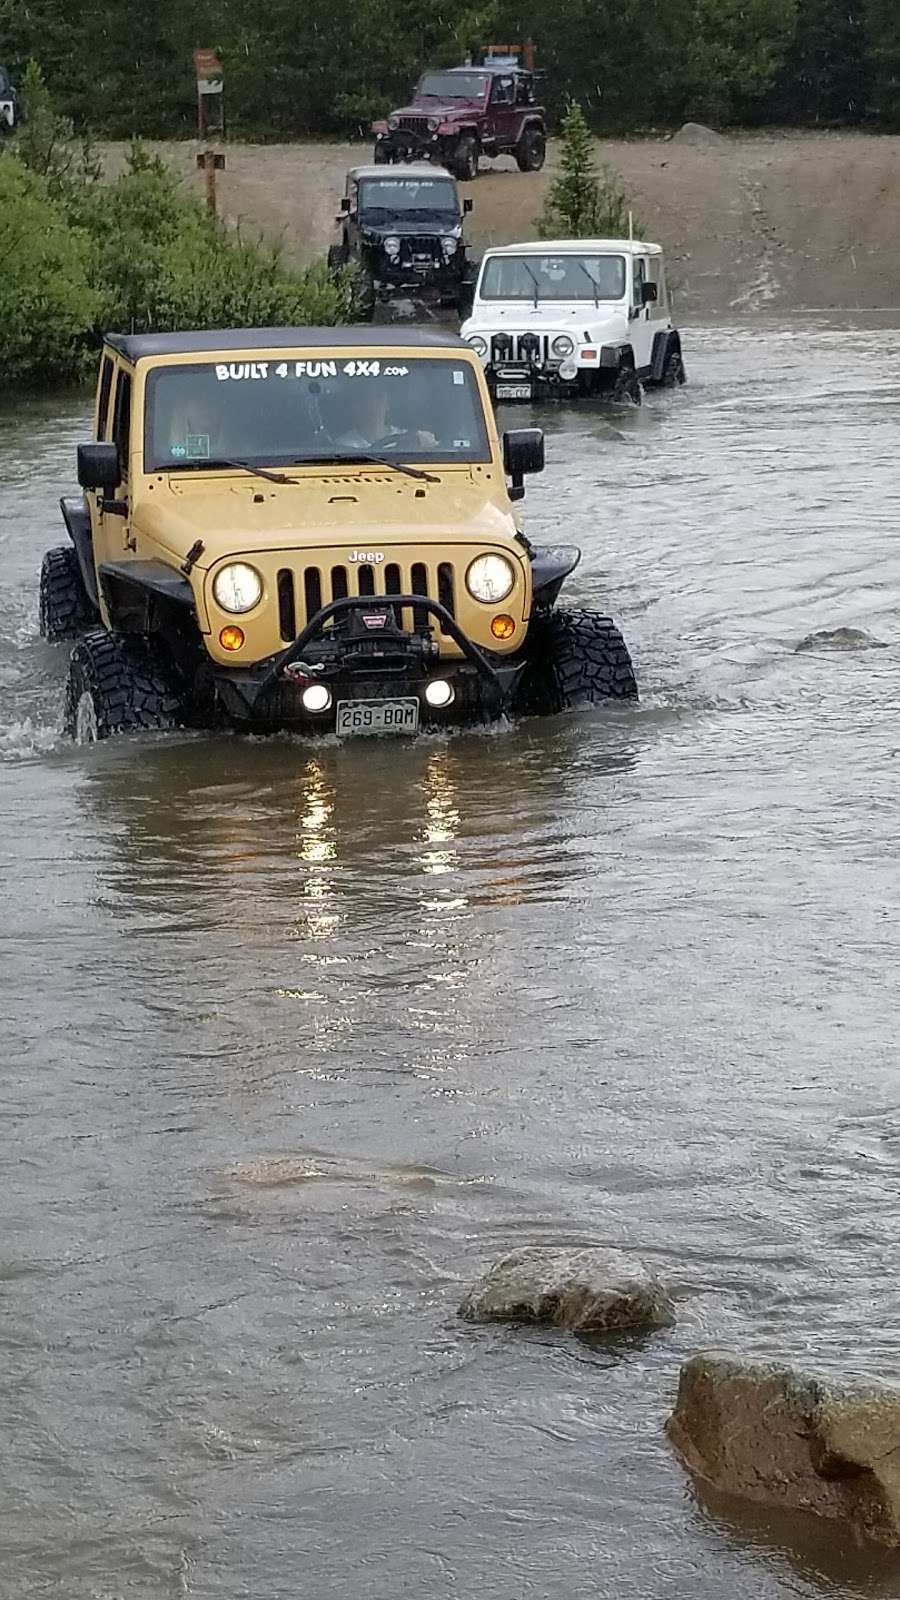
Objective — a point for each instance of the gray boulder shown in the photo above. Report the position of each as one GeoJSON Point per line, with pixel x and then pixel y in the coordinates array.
{"type": "Point", "coordinates": [783, 1437]}
{"type": "Point", "coordinates": [696, 133]}
{"type": "Point", "coordinates": [840, 639]}
{"type": "Point", "coordinates": [586, 1291]}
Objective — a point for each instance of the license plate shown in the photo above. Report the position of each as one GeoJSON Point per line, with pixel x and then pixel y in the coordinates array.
{"type": "Point", "coordinates": [514, 391]}
{"type": "Point", "coordinates": [377, 716]}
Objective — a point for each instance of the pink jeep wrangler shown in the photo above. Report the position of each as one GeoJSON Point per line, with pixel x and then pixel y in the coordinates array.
{"type": "Point", "coordinates": [462, 113]}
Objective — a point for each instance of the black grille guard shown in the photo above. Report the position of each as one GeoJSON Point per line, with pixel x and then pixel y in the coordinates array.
{"type": "Point", "coordinates": [384, 602]}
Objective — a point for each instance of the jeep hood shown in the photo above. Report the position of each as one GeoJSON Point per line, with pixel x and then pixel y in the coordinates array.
{"type": "Point", "coordinates": [423, 228]}
{"type": "Point", "coordinates": [576, 317]}
{"type": "Point", "coordinates": [234, 515]}
{"type": "Point", "coordinates": [447, 110]}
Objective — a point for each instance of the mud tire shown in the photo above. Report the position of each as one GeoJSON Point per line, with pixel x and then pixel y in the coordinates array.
{"type": "Point", "coordinates": [65, 607]}
{"type": "Point", "coordinates": [626, 389]}
{"type": "Point", "coordinates": [579, 658]}
{"type": "Point", "coordinates": [337, 257]}
{"type": "Point", "coordinates": [465, 158]}
{"type": "Point", "coordinates": [380, 156]}
{"type": "Point", "coordinates": [531, 150]}
{"type": "Point", "coordinates": [673, 372]}
{"type": "Point", "coordinates": [117, 683]}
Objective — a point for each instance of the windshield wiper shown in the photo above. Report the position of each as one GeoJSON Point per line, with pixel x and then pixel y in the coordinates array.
{"type": "Point", "coordinates": [247, 466]}
{"type": "Point", "coordinates": [366, 456]}
{"type": "Point", "coordinates": [537, 287]}
{"type": "Point", "coordinates": [591, 279]}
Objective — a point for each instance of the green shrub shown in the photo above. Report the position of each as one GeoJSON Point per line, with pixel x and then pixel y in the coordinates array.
{"type": "Point", "coordinates": [582, 202]}
{"type": "Point", "coordinates": [47, 302]}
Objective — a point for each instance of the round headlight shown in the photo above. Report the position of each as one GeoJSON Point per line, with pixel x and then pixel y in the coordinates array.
{"type": "Point", "coordinates": [478, 344]}
{"type": "Point", "coordinates": [237, 587]}
{"type": "Point", "coordinates": [562, 345]}
{"type": "Point", "coordinates": [490, 578]}
{"type": "Point", "coordinates": [393, 122]}
{"type": "Point", "coordinates": [448, 244]}
{"type": "Point", "coordinates": [433, 124]}
{"type": "Point", "coordinates": [392, 245]}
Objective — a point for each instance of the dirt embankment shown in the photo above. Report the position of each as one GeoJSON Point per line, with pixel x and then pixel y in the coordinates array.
{"type": "Point", "coordinates": [768, 222]}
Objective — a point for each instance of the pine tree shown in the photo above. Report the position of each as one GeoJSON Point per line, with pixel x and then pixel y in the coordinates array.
{"type": "Point", "coordinates": [583, 203]}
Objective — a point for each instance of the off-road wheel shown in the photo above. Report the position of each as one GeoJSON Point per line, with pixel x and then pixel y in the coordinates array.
{"type": "Point", "coordinates": [337, 257]}
{"type": "Point", "coordinates": [380, 155]}
{"type": "Point", "coordinates": [117, 683]}
{"type": "Point", "coordinates": [531, 150]}
{"type": "Point", "coordinates": [626, 389]}
{"type": "Point", "coordinates": [465, 158]}
{"type": "Point", "coordinates": [578, 658]}
{"type": "Point", "coordinates": [65, 607]}
{"type": "Point", "coordinates": [673, 371]}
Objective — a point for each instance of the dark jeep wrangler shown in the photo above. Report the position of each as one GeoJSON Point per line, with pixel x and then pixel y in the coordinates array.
{"type": "Point", "coordinates": [455, 116]}
{"type": "Point", "coordinates": [402, 230]}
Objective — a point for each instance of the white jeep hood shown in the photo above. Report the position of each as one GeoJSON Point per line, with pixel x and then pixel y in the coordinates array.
{"type": "Point", "coordinates": [587, 324]}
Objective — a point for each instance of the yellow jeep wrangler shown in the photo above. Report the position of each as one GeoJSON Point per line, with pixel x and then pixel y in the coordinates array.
{"type": "Point", "coordinates": [311, 528]}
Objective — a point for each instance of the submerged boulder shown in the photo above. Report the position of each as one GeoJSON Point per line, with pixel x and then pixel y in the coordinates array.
{"type": "Point", "coordinates": [840, 639]}
{"type": "Point", "coordinates": [587, 1291]}
{"type": "Point", "coordinates": [783, 1437]}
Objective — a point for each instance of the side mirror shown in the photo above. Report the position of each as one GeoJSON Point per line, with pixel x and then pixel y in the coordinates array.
{"type": "Point", "coordinates": [98, 466]}
{"type": "Point", "coordinates": [345, 204]}
{"type": "Point", "coordinates": [649, 293]}
{"type": "Point", "coordinates": [467, 205]}
{"type": "Point", "coordinates": [523, 452]}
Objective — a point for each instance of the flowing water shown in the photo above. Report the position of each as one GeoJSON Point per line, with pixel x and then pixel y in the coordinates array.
{"type": "Point", "coordinates": [296, 1039]}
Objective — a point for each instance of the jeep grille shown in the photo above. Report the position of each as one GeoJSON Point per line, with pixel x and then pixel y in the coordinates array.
{"type": "Point", "coordinates": [415, 124]}
{"type": "Point", "coordinates": [303, 592]}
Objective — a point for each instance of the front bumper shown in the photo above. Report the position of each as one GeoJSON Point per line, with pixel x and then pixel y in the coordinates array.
{"type": "Point", "coordinates": [411, 144]}
{"type": "Point", "coordinates": [440, 278]}
{"type": "Point", "coordinates": [367, 655]}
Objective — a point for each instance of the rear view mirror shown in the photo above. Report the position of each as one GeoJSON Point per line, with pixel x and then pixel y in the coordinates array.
{"type": "Point", "coordinates": [649, 293]}
{"type": "Point", "coordinates": [98, 466]}
{"type": "Point", "coordinates": [345, 204]}
{"type": "Point", "coordinates": [467, 204]}
{"type": "Point", "coordinates": [523, 452]}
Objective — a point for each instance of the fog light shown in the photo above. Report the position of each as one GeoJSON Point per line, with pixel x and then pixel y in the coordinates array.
{"type": "Point", "coordinates": [316, 697]}
{"type": "Point", "coordinates": [438, 692]}
{"type": "Point", "coordinates": [231, 638]}
{"type": "Point", "coordinates": [568, 370]}
{"type": "Point", "coordinates": [503, 627]}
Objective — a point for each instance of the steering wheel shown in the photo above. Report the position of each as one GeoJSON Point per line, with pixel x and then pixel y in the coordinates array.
{"type": "Point", "coordinates": [398, 441]}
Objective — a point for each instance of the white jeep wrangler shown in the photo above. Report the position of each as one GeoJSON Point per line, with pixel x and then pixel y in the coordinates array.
{"type": "Point", "coordinates": [559, 319]}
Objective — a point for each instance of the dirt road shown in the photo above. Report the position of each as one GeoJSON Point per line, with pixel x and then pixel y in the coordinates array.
{"type": "Point", "coordinates": [754, 223]}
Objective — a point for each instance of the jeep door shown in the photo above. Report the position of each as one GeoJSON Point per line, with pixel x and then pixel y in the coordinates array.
{"type": "Point", "coordinates": [110, 511]}
{"type": "Point", "coordinates": [642, 325]}
{"type": "Point", "coordinates": [503, 116]}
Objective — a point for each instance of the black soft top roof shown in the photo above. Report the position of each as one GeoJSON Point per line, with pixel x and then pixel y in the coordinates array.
{"type": "Point", "coordinates": [134, 346]}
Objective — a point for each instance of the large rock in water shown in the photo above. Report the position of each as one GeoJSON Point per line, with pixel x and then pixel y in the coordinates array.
{"type": "Point", "coordinates": [840, 639]}
{"type": "Point", "coordinates": [587, 1291]}
{"type": "Point", "coordinates": [785, 1438]}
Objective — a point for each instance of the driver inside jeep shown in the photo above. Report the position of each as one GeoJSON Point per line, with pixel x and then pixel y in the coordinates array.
{"type": "Point", "coordinates": [377, 416]}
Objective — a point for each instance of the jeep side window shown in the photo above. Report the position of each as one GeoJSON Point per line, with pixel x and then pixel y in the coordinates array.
{"type": "Point", "coordinates": [122, 420]}
{"type": "Point", "coordinates": [503, 92]}
{"type": "Point", "coordinates": [101, 429]}
{"type": "Point", "coordinates": [524, 95]}
{"type": "Point", "coordinates": [639, 275]}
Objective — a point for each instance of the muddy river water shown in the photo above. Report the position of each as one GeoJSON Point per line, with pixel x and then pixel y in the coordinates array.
{"type": "Point", "coordinates": [296, 1039]}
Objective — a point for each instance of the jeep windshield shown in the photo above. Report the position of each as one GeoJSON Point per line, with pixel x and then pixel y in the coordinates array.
{"type": "Point", "coordinates": [407, 199]}
{"type": "Point", "coordinates": [296, 408]}
{"type": "Point", "coordinates": [453, 86]}
{"type": "Point", "coordinates": [553, 277]}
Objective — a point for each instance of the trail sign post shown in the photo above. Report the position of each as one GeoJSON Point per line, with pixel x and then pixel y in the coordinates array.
{"type": "Point", "coordinates": [210, 162]}
{"type": "Point", "coordinates": [210, 95]}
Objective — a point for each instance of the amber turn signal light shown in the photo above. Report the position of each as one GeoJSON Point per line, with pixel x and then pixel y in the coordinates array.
{"type": "Point", "coordinates": [231, 638]}
{"type": "Point", "coordinates": [503, 627]}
